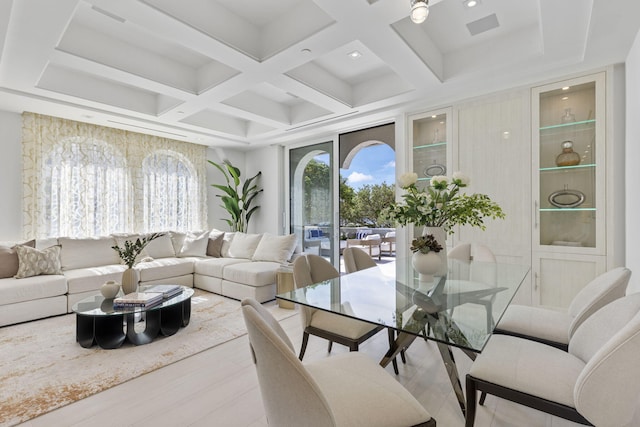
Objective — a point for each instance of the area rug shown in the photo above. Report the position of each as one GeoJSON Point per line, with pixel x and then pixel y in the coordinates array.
{"type": "Point", "coordinates": [43, 368]}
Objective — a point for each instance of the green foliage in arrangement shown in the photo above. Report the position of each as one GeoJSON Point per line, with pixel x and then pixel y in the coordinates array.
{"type": "Point", "coordinates": [131, 249]}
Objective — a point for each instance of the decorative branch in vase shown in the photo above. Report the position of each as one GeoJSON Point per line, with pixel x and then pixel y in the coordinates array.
{"type": "Point", "coordinates": [129, 253]}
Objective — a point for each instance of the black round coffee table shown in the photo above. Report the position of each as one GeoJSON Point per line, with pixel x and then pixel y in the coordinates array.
{"type": "Point", "coordinates": [98, 323]}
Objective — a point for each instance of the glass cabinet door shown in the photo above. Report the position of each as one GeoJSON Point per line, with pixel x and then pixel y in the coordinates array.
{"type": "Point", "coordinates": [569, 128]}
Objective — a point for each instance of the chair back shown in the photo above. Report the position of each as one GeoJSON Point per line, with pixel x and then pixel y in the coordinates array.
{"type": "Point", "coordinates": [471, 252]}
{"type": "Point", "coordinates": [596, 294]}
{"type": "Point", "coordinates": [307, 270]}
{"type": "Point", "coordinates": [290, 395]}
{"type": "Point", "coordinates": [607, 389]}
{"type": "Point", "coordinates": [355, 259]}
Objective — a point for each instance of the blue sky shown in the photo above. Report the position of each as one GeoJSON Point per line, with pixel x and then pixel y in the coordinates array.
{"type": "Point", "coordinates": [372, 165]}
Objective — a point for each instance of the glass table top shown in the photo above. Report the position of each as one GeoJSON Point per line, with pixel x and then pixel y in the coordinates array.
{"type": "Point", "coordinates": [97, 305]}
{"type": "Point", "coordinates": [460, 309]}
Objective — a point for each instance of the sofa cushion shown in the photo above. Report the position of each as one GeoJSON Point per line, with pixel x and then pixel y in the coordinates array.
{"type": "Point", "coordinates": [214, 246]}
{"type": "Point", "coordinates": [87, 252]}
{"type": "Point", "coordinates": [214, 266]}
{"type": "Point", "coordinates": [162, 247]}
{"type": "Point", "coordinates": [256, 273]}
{"type": "Point", "coordinates": [9, 259]}
{"type": "Point", "coordinates": [33, 262]}
{"type": "Point", "coordinates": [190, 244]}
{"type": "Point", "coordinates": [275, 248]}
{"type": "Point", "coordinates": [91, 279]}
{"type": "Point", "coordinates": [165, 268]}
{"type": "Point", "coordinates": [13, 291]}
{"type": "Point", "coordinates": [244, 245]}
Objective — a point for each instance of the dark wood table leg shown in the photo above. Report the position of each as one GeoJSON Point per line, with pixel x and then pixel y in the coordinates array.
{"type": "Point", "coordinates": [402, 342]}
{"type": "Point", "coordinates": [85, 331]}
{"type": "Point", "coordinates": [109, 331]}
{"type": "Point", "coordinates": [152, 327]}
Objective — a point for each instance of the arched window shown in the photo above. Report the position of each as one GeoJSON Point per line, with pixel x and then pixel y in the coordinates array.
{"type": "Point", "coordinates": [171, 194]}
{"type": "Point", "coordinates": [85, 188]}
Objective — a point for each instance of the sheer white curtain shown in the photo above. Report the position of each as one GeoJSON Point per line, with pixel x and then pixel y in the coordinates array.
{"type": "Point", "coordinates": [86, 180]}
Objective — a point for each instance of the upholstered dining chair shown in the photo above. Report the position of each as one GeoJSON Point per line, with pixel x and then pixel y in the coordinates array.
{"type": "Point", "coordinates": [355, 259]}
{"type": "Point", "coordinates": [307, 270]}
{"type": "Point", "coordinates": [595, 382]}
{"type": "Point", "coordinates": [479, 277]}
{"type": "Point", "coordinates": [555, 327]}
{"type": "Point", "coordinates": [345, 390]}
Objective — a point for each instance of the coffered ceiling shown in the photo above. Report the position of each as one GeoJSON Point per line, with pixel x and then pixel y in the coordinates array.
{"type": "Point", "coordinates": [245, 73]}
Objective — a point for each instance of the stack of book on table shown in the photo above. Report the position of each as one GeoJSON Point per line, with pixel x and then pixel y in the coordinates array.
{"type": "Point", "coordinates": [138, 299]}
{"type": "Point", "coordinates": [167, 291]}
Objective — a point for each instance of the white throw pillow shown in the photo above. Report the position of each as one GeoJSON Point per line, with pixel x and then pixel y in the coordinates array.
{"type": "Point", "coordinates": [244, 245]}
{"type": "Point", "coordinates": [194, 244]}
{"type": "Point", "coordinates": [275, 248]}
{"type": "Point", "coordinates": [161, 247]}
{"type": "Point", "coordinates": [226, 244]}
{"type": "Point", "coordinates": [87, 252]}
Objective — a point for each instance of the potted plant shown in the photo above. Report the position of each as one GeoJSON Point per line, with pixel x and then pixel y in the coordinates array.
{"type": "Point", "coordinates": [129, 253]}
{"type": "Point", "coordinates": [234, 200]}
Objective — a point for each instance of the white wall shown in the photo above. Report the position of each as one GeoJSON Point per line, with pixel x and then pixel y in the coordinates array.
{"type": "Point", "coordinates": [268, 160]}
{"type": "Point", "coordinates": [632, 174]}
{"type": "Point", "coordinates": [10, 176]}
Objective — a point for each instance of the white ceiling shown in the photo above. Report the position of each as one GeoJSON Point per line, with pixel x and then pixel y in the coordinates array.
{"type": "Point", "coordinates": [242, 73]}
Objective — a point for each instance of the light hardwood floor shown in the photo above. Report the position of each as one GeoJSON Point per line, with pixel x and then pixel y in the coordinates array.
{"type": "Point", "coordinates": [219, 387]}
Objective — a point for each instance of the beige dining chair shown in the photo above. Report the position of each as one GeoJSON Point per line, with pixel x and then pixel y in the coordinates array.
{"type": "Point", "coordinates": [349, 389]}
{"type": "Point", "coordinates": [307, 270]}
{"type": "Point", "coordinates": [355, 259]}
{"type": "Point", "coordinates": [555, 327]}
{"type": "Point", "coordinates": [595, 382]}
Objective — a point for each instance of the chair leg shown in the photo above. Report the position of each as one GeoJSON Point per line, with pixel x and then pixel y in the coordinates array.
{"type": "Point", "coordinates": [470, 415]}
{"type": "Point", "coordinates": [392, 337]}
{"type": "Point", "coordinates": [303, 348]}
{"type": "Point", "coordinates": [330, 347]}
{"type": "Point", "coordinates": [483, 396]}
{"type": "Point", "coordinates": [403, 357]}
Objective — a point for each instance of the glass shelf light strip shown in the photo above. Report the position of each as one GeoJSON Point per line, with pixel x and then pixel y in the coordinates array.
{"type": "Point", "coordinates": [563, 125]}
{"type": "Point", "coordinates": [435, 144]}
{"type": "Point", "coordinates": [559, 168]}
{"type": "Point", "coordinates": [566, 209]}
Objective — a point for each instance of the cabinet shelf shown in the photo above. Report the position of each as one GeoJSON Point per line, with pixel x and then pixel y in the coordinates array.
{"type": "Point", "coordinates": [435, 144]}
{"type": "Point", "coordinates": [567, 209]}
{"type": "Point", "coordinates": [568, 125]}
{"type": "Point", "coordinates": [561, 168]}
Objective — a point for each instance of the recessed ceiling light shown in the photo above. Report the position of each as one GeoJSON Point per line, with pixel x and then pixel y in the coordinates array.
{"type": "Point", "coordinates": [564, 98]}
{"type": "Point", "coordinates": [566, 88]}
{"type": "Point", "coordinates": [306, 51]}
{"type": "Point", "coordinates": [355, 54]}
{"type": "Point", "coordinates": [434, 116]}
{"type": "Point", "coordinates": [470, 3]}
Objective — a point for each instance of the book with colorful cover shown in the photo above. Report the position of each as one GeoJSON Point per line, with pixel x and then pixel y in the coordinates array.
{"type": "Point", "coordinates": [138, 299]}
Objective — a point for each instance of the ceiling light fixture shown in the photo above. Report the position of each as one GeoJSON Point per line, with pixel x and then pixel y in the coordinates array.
{"type": "Point", "coordinates": [355, 54]}
{"type": "Point", "coordinates": [470, 3]}
{"type": "Point", "coordinates": [419, 10]}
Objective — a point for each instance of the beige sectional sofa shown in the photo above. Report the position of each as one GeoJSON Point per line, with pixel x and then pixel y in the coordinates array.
{"type": "Point", "coordinates": [235, 265]}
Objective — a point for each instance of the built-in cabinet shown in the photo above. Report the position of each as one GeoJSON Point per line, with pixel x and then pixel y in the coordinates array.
{"type": "Point", "coordinates": [539, 152]}
{"type": "Point", "coordinates": [569, 187]}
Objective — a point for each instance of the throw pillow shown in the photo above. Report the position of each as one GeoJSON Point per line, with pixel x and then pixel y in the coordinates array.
{"type": "Point", "coordinates": [244, 245]}
{"type": "Point", "coordinates": [162, 247]}
{"type": "Point", "coordinates": [33, 262]}
{"type": "Point", "coordinates": [214, 246]}
{"type": "Point", "coordinates": [275, 248]}
{"type": "Point", "coordinates": [226, 244]}
{"type": "Point", "coordinates": [9, 259]}
{"type": "Point", "coordinates": [194, 244]}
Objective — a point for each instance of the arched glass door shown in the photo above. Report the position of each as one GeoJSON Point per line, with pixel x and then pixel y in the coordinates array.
{"type": "Point", "coordinates": [312, 198]}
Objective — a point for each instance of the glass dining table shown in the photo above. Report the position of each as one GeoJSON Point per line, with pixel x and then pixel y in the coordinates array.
{"type": "Point", "coordinates": [459, 310]}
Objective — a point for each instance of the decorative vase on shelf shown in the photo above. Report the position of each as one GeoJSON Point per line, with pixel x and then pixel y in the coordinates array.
{"type": "Point", "coordinates": [568, 117]}
{"type": "Point", "coordinates": [110, 289]}
{"type": "Point", "coordinates": [130, 278]}
{"type": "Point", "coordinates": [426, 265]}
{"type": "Point", "coordinates": [441, 237]}
{"type": "Point", "coordinates": [568, 157]}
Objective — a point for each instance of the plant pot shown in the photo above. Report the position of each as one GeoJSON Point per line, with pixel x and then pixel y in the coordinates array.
{"type": "Point", "coordinates": [441, 236]}
{"type": "Point", "coordinates": [426, 265]}
{"type": "Point", "coordinates": [130, 278]}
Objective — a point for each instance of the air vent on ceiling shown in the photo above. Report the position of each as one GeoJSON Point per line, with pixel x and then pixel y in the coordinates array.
{"type": "Point", "coordinates": [483, 24]}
